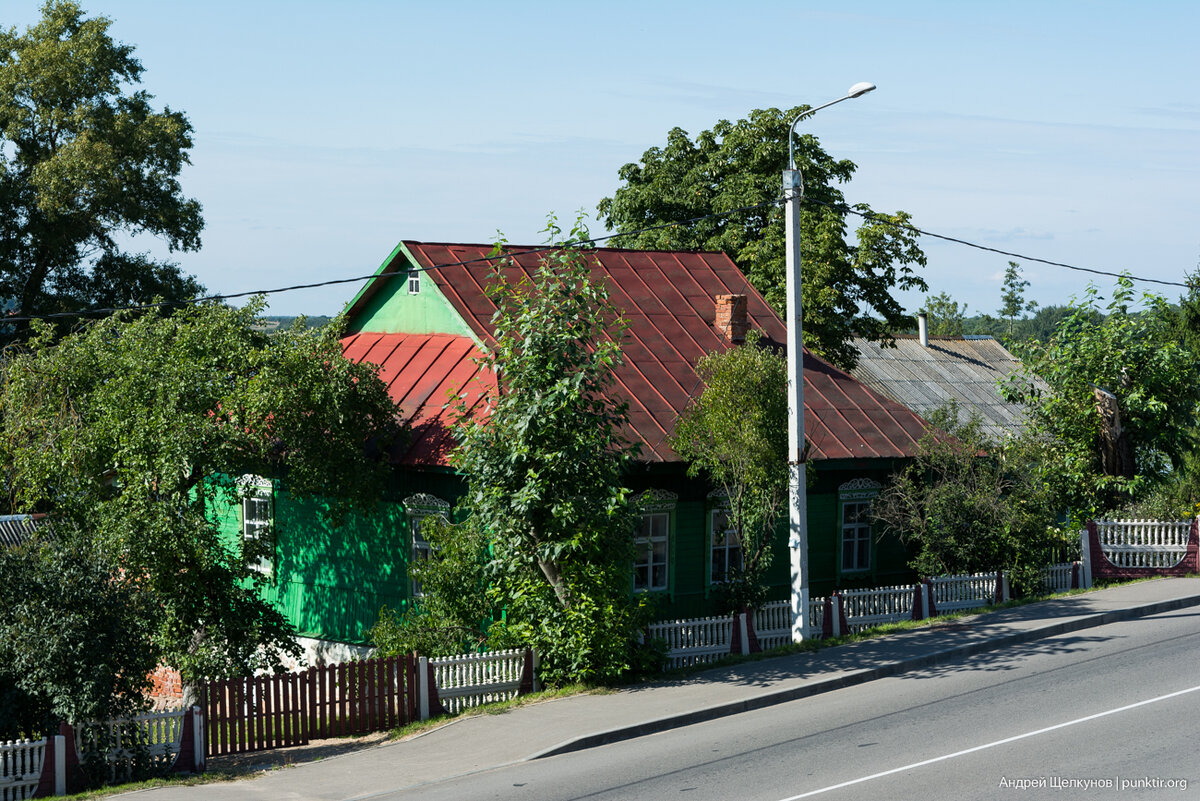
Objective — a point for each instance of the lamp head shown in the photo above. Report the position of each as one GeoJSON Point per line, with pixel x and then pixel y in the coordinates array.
{"type": "Point", "coordinates": [861, 88]}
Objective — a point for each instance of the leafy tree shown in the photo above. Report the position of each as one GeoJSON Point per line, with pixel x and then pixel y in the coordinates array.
{"type": "Point", "coordinates": [73, 638]}
{"type": "Point", "coordinates": [735, 432]}
{"type": "Point", "coordinates": [1186, 316]}
{"type": "Point", "coordinates": [130, 433]}
{"type": "Point", "coordinates": [945, 317]}
{"type": "Point", "coordinates": [968, 505]}
{"type": "Point", "coordinates": [847, 288]}
{"type": "Point", "coordinates": [1045, 321]}
{"type": "Point", "coordinates": [1012, 298]}
{"type": "Point", "coordinates": [84, 161]}
{"type": "Point", "coordinates": [454, 610]}
{"type": "Point", "coordinates": [1120, 399]}
{"type": "Point", "coordinates": [544, 469]}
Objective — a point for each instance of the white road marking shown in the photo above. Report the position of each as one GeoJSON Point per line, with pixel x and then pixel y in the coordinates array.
{"type": "Point", "coordinates": [1006, 740]}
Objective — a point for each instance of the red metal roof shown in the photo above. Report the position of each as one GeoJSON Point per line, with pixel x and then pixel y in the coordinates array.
{"type": "Point", "coordinates": [426, 375]}
{"type": "Point", "coordinates": [668, 299]}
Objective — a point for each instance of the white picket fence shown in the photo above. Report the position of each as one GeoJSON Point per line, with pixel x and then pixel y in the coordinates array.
{"type": "Point", "coordinates": [1144, 543]}
{"type": "Point", "coordinates": [696, 641]}
{"type": "Point", "coordinates": [956, 593]}
{"type": "Point", "coordinates": [142, 745]}
{"type": "Point", "coordinates": [773, 622]}
{"type": "Point", "coordinates": [875, 606]}
{"type": "Point", "coordinates": [707, 639]}
{"type": "Point", "coordinates": [469, 680]}
{"type": "Point", "coordinates": [20, 768]}
{"type": "Point", "coordinates": [1057, 578]}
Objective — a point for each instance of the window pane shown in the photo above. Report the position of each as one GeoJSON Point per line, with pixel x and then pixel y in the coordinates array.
{"type": "Point", "coordinates": [652, 557]}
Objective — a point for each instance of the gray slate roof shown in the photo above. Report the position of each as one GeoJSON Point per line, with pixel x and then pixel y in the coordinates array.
{"type": "Point", "coordinates": [15, 529]}
{"type": "Point", "coordinates": [926, 378]}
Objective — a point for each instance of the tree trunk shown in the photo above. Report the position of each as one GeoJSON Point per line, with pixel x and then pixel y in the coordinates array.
{"type": "Point", "coordinates": [553, 574]}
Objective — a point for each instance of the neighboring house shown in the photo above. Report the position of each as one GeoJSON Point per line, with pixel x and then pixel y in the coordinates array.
{"type": "Point", "coordinates": [925, 373]}
{"type": "Point", "coordinates": [17, 529]}
{"type": "Point", "coordinates": [424, 320]}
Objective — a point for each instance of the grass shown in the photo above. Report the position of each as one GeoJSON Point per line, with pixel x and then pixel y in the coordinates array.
{"type": "Point", "coordinates": [150, 784]}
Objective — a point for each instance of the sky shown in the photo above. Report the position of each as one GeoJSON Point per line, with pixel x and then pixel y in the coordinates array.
{"type": "Point", "coordinates": [325, 133]}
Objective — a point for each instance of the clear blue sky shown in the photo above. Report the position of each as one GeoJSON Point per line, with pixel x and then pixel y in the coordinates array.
{"type": "Point", "coordinates": [327, 132]}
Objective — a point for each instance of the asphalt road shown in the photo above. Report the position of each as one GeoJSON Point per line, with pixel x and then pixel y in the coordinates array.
{"type": "Point", "coordinates": [1108, 712]}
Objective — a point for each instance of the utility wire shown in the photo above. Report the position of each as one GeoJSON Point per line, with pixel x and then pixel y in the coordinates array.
{"type": "Point", "coordinates": [574, 243]}
{"type": "Point", "coordinates": [870, 215]}
{"type": "Point", "coordinates": [579, 243]}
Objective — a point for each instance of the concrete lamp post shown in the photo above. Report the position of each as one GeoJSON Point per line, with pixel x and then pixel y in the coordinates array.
{"type": "Point", "coordinates": [793, 192]}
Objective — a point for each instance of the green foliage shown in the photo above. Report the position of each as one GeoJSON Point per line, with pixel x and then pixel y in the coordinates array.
{"type": "Point", "coordinates": [847, 287]}
{"type": "Point", "coordinates": [128, 431]}
{"type": "Point", "coordinates": [966, 505]}
{"type": "Point", "coordinates": [945, 318]}
{"type": "Point", "coordinates": [73, 638]}
{"type": "Point", "coordinates": [453, 612]}
{"type": "Point", "coordinates": [735, 432]}
{"type": "Point", "coordinates": [544, 468]}
{"type": "Point", "coordinates": [1012, 296]}
{"type": "Point", "coordinates": [1134, 357]}
{"type": "Point", "coordinates": [83, 163]}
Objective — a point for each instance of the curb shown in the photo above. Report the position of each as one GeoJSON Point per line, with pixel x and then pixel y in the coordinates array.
{"type": "Point", "coordinates": [898, 667]}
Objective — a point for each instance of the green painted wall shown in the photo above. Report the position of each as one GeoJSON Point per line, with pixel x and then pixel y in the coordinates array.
{"type": "Point", "coordinates": [330, 580]}
{"type": "Point", "coordinates": [392, 310]}
{"type": "Point", "coordinates": [690, 593]}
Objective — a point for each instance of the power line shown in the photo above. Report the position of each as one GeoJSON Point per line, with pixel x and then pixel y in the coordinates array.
{"type": "Point", "coordinates": [591, 241]}
{"type": "Point", "coordinates": [575, 243]}
{"type": "Point", "coordinates": [870, 215]}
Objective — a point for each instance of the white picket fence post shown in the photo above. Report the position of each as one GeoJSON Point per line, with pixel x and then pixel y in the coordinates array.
{"type": "Point", "coordinates": [423, 687]}
{"type": "Point", "coordinates": [198, 738]}
{"type": "Point", "coordinates": [60, 765]}
{"type": "Point", "coordinates": [744, 632]}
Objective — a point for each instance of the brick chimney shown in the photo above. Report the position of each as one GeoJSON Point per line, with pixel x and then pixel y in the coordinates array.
{"type": "Point", "coordinates": [731, 321]}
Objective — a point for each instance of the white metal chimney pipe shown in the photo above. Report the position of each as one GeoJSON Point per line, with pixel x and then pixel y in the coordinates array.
{"type": "Point", "coordinates": [923, 329]}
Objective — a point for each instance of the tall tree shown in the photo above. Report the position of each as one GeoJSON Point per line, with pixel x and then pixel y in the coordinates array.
{"type": "Point", "coordinates": [545, 466]}
{"type": "Point", "coordinates": [85, 162]}
{"type": "Point", "coordinates": [735, 432]}
{"type": "Point", "coordinates": [1012, 296]}
{"type": "Point", "coordinates": [847, 287]}
{"type": "Point", "coordinates": [1120, 395]}
{"type": "Point", "coordinates": [946, 318]}
{"type": "Point", "coordinates": [967, 505]}
{"type": "Point", "coordinates": [131, 434]}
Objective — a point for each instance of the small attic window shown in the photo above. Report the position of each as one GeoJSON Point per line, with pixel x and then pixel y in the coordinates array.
{"type": "Point", "coordinates": [414, 283]}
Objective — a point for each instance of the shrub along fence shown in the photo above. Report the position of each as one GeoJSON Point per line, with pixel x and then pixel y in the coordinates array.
{"type": "Point", "coordinates": [111, 751]}
{"type": "Point", "coordinates": [704, 640]}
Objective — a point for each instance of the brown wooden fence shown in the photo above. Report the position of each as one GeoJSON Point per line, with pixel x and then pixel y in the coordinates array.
{"type": "Point", "coordinates": [261, 712]}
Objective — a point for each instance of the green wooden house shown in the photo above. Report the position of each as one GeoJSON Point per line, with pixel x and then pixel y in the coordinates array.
{"type": "Point", "coordinates": [424, 319]}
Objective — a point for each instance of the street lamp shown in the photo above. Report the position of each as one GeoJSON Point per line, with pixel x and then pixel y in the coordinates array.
{"type": "Point", "coordinates": [793, 191]}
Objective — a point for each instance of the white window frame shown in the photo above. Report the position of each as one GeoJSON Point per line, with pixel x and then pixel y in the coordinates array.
{"type": "Point", "coordinates": [855, 536]}
{"type": "Point", "coordinates": [416, 509]}
{"type": "Point", "coordinates": [651, 564]}
{"type": "Point", "coordinates": [723, 544]}
{"type": "Point", "coordinates": [414, 282]}
{"type": "Point", "coordinates": [258, 518]}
